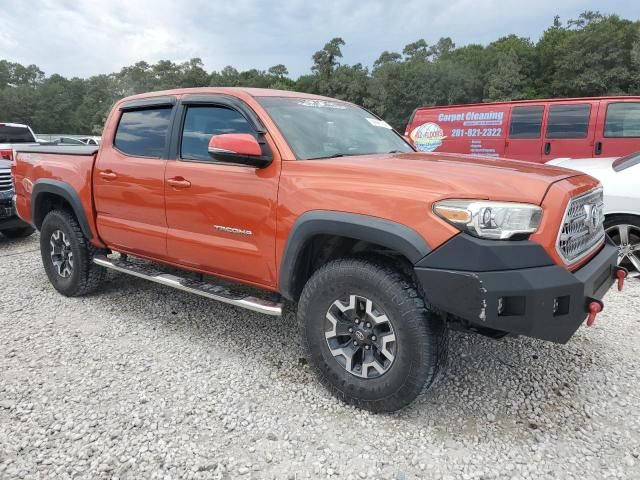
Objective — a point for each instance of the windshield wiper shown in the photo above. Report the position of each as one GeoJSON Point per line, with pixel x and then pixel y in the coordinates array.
{"type": "Point", "coordinates": [333, 155]}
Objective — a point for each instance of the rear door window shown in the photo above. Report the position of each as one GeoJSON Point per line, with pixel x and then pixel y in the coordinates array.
{"type": "Point", "coordinates": [526, 122]}
{"type": "Point", "coordinates": [568, 121]}
{"type": "Point", "coordinates": [622, 120]}
{"type": "Point", "coordinates": [143, 133]}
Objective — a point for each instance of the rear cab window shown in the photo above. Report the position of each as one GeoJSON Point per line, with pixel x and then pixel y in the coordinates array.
{"type": "Point", "coordinates": [15, 134]}
{"type": "Point", "coordinates": [568, 121]}
{"type": "Point", "coordinates": [622, 120]}
{"type": "Point", "coordinates": [143, 133]}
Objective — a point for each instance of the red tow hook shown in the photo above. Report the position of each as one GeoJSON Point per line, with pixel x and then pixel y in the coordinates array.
{"type": "Point", "coordinates": [595, 307]}
{"type": "Point", "coordinates": [621, 274]}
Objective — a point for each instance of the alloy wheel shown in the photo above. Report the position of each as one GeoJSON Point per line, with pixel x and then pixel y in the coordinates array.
{"type": "Point", "coordinates": [61, 254]}
{"type": "Point", "coordinates": [360, 337]}
{"type": "Point", "coordinates": [627, 238]}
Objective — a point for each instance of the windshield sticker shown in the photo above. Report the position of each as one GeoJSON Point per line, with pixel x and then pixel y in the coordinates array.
{"type": "Point", "coordinates": [308, 102]}
{"type": "Point", "coordinates": [427, 137]}
{"type": "Point", "coordinates": [378, 123]}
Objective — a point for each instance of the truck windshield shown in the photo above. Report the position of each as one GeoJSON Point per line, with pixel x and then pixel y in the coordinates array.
{"type": "Point", "coordinates": [317, 128]}
{"type": "Point", "coordinates": [13, 134]}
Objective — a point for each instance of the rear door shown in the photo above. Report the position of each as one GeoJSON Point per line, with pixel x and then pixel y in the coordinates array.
{"type": "Point", "coordinates": [618, 127]}
{"type": "Point", "coordinates": [524, 141]}
{"type": "Point", "coordinates": [570, 130]}
{"type": "Point", "coordinates": [221, 217]}
{"type": "Point", "coordinates": [128, 179]}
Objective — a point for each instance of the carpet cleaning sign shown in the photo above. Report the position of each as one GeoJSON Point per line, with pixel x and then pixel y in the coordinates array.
{"type": "Point", "coordinates": [472, 130]}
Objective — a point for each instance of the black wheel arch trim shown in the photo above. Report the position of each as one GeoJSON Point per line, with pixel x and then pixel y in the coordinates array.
{"type": "Point", "coordinates": [65, 191]}
{"type": "Point", "coordinates": [380, 231]}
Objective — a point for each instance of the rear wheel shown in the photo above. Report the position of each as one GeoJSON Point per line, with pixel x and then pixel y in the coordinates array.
{"type": "Point", "coordinates": [20, 232]}
{"type": "Point", "coordinates": [624, 230]}
{"type": "Point", "coordinates": [367, 334]}
{"type": "Point", "coordinates": [67, 255]}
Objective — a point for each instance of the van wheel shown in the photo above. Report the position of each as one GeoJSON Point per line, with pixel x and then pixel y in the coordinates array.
{"type": "Point", "coordinates": [20, 232]}
{"type": "Point", "coordinates": [67, 255]}
{"type": "Point", "coordinates": [367, 334]}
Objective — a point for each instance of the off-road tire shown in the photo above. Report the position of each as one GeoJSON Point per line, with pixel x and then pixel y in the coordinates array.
{"type": "Point", "coordinates": [19, 232]}
{"type": "Point", "coordinates": [420, 333]}
{"type": "Point", "coordinates": [85, 276]}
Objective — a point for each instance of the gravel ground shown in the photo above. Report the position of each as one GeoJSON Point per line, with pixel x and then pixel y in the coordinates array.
{"type": "Point", "coordinates": [140, 381]}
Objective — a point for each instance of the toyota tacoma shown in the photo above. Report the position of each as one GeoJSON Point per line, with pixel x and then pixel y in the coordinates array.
{"type": "Point", "coordinates": [257, 197]}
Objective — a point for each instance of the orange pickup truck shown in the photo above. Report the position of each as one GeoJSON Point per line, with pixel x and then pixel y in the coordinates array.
{"type": "Point", "coordinates": [256, 197]}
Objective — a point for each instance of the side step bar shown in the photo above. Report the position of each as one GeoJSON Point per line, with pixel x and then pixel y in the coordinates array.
{"type": "Point", "coordinates": [204, 289]}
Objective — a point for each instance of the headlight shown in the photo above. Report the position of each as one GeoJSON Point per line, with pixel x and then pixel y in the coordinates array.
{"type": "Point", "coordinates": [486, 219]}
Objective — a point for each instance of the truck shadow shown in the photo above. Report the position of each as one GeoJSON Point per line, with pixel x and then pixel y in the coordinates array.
{"type": "Point", "coordinates": [505, 385]}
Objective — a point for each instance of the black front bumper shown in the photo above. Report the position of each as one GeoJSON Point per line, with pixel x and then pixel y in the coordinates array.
{"type": "Point", "coordinates": [544, 301]}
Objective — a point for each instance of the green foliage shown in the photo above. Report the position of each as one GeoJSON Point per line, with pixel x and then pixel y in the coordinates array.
{"type": "Point", "coordinates": [591, 55]}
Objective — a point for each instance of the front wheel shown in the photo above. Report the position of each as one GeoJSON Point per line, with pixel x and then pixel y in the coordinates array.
{"type": "Point", "coordinates": [367, 334]}
{"type": "Point", "coordinates": [67, 255]}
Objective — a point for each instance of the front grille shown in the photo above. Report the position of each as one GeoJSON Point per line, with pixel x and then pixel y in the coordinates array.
{"type": "Point", "coordinates": [583, 226]}
{"type": "Point", "coordinates": [5, 180]}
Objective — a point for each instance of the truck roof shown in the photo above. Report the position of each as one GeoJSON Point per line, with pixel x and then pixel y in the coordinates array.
{"type": "Point", "coordinates": [9, 124]}
{"type": "Point", "coordinates": [238, 91]}
{"type": "Point", "coordinates": [534, 100]}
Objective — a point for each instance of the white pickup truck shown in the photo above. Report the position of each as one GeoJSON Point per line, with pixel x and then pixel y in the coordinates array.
{"type": "Point", "coordinates": [12, 135]}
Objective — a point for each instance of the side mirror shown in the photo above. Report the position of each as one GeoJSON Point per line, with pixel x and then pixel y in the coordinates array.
{"type": "Point", "coordinates": [239, 148]}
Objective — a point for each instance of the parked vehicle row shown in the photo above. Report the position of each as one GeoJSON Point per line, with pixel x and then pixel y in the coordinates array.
{"type": "Point", "coordinates": [532, 130]}
{"type": "Point", "coordinates": [317, 201]}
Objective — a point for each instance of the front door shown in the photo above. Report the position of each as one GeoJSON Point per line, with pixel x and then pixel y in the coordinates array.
{"type": "Point", "coordinates": [221, 217]}
{"type": "Point", "coordinates": [128, 182]}
{"type": "Point", "coordinates": [570, 130]}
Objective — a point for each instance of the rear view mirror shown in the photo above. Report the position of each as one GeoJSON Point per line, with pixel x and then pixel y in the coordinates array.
{"type": "Point", "coordinates": [239, 148]}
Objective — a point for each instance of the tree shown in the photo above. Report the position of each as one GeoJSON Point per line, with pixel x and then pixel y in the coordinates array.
{"type": "Point", "coordinates": [418, 50]}
{"type": "Point", "coordinates": [326, 60]}
{"type": "Point", "coordinates": [506, 80]}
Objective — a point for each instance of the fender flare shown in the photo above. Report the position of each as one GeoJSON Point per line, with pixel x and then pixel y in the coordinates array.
{"type": "Point", "coordinates": [380, 231]}
{"type": "Point", "coordinates": [63, 190]}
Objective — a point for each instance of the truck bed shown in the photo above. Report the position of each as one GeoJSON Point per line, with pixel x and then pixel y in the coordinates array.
{"type": "Point", "coordinates": [40, 168]}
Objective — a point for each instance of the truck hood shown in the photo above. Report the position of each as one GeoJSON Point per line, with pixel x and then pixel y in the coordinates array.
{"type": "Point", "coordinates": [456, 176]}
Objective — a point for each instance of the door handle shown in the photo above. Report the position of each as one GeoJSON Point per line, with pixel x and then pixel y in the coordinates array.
{"type": "Point", "coordinates": [598, 150]}
{"type": "Point", "coordinates": [179, 182]}
{"type": "Point", "coordinates": [547, 148]}
{"type": "Point", "coordinates": [108, 175]}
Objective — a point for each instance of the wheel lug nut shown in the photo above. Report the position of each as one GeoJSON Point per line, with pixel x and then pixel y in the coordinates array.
{"type": "Point", "coordinates": [367, 347]}
{"type": "Point", "coordinates": [355, 344]}
{"type": "Point", "coordinates": [350, 330]}
{"type": "Point", "coordinates": [357, 321]}
{"type": "Point", "coordinates": [373, 337]}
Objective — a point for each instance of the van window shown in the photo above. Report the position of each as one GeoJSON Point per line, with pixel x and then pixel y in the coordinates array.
{"type": "Point", "coordinates": [203, 121]}
{"type": "Point", "coordinates": [526, 122]}
{"type": "Point", "coordinates": [568, 121]}
{"type": "Point", "coordinates": [143, 133]}
{"type": "Point", "coordinates": [622, 120]}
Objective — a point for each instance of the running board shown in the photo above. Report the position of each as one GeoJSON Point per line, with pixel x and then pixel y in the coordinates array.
{"type": "Point", "coordinates": [204, 289]}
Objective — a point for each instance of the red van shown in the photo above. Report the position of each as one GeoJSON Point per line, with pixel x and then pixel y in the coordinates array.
{"type": "Point", "coordinates": [533, 130]}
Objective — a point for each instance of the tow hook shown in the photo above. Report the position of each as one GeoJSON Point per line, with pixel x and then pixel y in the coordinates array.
{"type": "Point", "coordinates": [595, 307]}
{"type": "Point", "coordinates": [621, 274]}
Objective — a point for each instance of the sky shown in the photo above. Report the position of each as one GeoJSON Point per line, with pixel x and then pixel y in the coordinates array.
{"type": "Point", "coordinates": [88, 37]}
